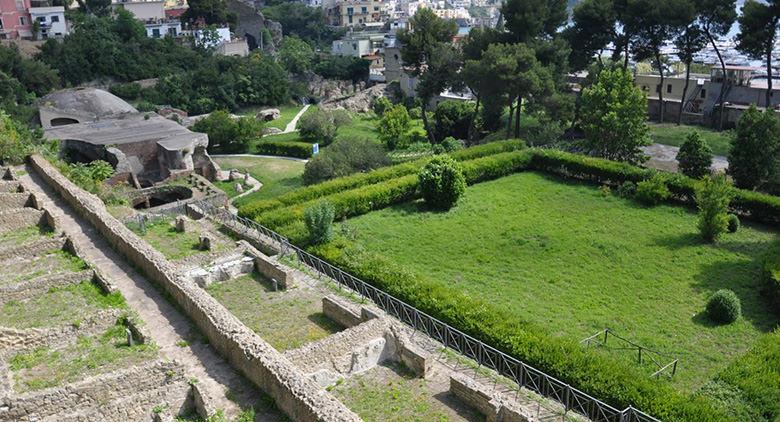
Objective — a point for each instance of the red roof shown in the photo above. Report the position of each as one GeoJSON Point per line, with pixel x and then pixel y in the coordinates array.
{"type": "Point", "coordinates": [174, 13]}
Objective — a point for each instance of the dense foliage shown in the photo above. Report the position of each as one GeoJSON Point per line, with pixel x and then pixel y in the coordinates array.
{"type": "Point", "coordinates": [21, 82]}
{"type": "Point", "coordinates": [321, 126]}
{"type": "Point", "coordinates": [754, 158]}
{"type": "Point", "coordinates": [614, 117]}
{"type": "Point", "coordinates": [442, 182]}
{"type": "Point", "coordinates": [724, 307]}
{"type": "Point", "coordinates": [346, 156]}
{"type": "Point", "coordinates": [393, 126]}
{"type": "Point", "coordinates": [652, 191]}
{"type": "Point", "coordinates": [228, 135]}
{"type": "Point", "coordinates": [319, 222]}
{"type": "Point", "coordinates": [713, 195]}
{"type": "Point", "coordinates": [16, 140]}
{"type": "Point", "coordinates": [284, 148]}
{"type": "Point", "coordinates": [452, 118]}
{"type": "Point", "coordinates": [694, 156]}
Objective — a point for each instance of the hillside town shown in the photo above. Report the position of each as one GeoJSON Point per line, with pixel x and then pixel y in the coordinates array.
{"type": "Point", "coordinates": [389, 210]}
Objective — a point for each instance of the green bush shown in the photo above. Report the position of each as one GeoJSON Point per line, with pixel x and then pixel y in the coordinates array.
{"type": "Point", "coordinates": [450, 144]}
{"type": "Point", "coordinates": [284, 148]}
{"type": "Point", "coordinates": [381, 105]}
{"type": "Point", "coordinates": [145, 106]}
{"type": "Point", "coordinates": [713, 195]}
{"type": "Point", "coordinates": [229, 135]}
{"type": "Point", "coordinates": [627, 189]}
{"type": "Point", "coordinates": [255, 208]}
{"type": "Point", "coordinates": [321, 126]}
{"type": "Point", "coordinates": [733, 222]}
{"type": "Point", "coordinates": [393, 126]}
{"type": "Point", "coordinates": [694, 156]}
{"type": "Point", "coordinates": [724, 307]}
{"type": "Point", "coordinates": [652, 191]}
{"type": "Point", "coordinates": [344, 157]}
{"type": "Point", "coordinates": [442, 182]}
{"type": "Point", "coordinates": [771, 275]}
{"type": "Point", "coordinates": [415, 113]}
{"type": "Point", "coordinates": [452, 118]}
{"type": "Point", "coordinates": [319, 222]}
{"type": "Point", "coordinates": [127, 91]}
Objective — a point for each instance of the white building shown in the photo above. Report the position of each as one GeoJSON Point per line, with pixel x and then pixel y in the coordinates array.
{"type": "Point", "coordinates": [51, 21]}
{"type": "Point", "coordinates": [158, 28]}
{"type": "Point", "coordinates": [223, 36]}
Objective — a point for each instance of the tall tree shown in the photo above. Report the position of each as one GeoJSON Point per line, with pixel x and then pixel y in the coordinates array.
{"type": "Point", "coordinates": [426, 48]}
{"type": "Point", "coordinates": [758, 26]}
{"type": "Point", "coordinates": [655, 22]}
{"type": "Point", "coordinates": [615, 126]}
{"type": "Point", "coordinates": [755, 151]}
{"type": "Point", "coordinates": [716, 18]}
{"type": "Point", "coordinates": [213, 12]}
{"type": "Point", "coordinates": [593, 29]}
{"type": "Point", "coordinates": [689, 41]}
{"type": "Point", "coordinates": [478, 71]}
{"type": "Point", "coordinates": [529, 19]}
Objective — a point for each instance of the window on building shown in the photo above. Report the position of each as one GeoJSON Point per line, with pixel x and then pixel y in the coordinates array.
{"type": "Point", "coordinates": [376, 8]}
{"type": "Point", "coordinates": [364, 9]}
{"type": "Point", "coordinates": [55, 18]}
{"type": "Point", "coordinates": [156, 32]}
{"type": "Point", "coordinates": [41, 19]}
{"type": "Point", "coordinates": [22, 20]}
{"type": "Point", "coordinates": [704, 93]}
{"type": "Point", "coordinates": [20, 5]}
{"type": "Point", "coordinates": [669, 88]}
{"type": "Point", "coordinates": [658, 88]}
{"type": "Point", "coordinates": [172, 32]}
{"type": "Point", "coordinates": [350, 11]}
{"type": "Point", "coordinates": [350, 18]}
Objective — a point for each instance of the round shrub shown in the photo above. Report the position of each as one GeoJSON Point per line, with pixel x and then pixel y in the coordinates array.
{"type": "Point", "coordinates": [319, 221]}
{"type": "Point", "coordinates": [724, 307]}
{"type": "Point", "coordinates": [652, 191]}
{"type": "Point", "coordinates": [733, 223]}
{"type": "Point", "coordinates": [442, 182]}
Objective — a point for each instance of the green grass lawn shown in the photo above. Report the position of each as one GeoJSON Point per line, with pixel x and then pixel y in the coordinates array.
{"type": "Point", "coordinates": [573, 261]}
{"type": "Point", "coordinates": [285, 319]}
{"type": "Point", "coordinates": [671, 134]}
{"type": "Point", "coordinates": [175, 245]}
{"type": "Point", "coordinates": [278, 175]}
{"type": "Point", "coordinates": [287, 113]}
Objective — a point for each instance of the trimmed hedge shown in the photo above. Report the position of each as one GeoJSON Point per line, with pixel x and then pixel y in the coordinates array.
{"type": "Point", "coordinates": [284, 148]}
{"type": "Point", "coordinates": [255, 208]}
{"type": "Point", "coordinates": [354, 202]}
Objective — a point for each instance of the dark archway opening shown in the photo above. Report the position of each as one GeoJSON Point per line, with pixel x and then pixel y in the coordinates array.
{"type": "Point", "coordinates": [63, 121]}
{"type": "Point", "coordinates": [251, 41]}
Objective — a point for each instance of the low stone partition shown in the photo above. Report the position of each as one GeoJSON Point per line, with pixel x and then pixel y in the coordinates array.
{"type": "Point", "coordinates": [23, 218]}
{"type": "Point", "coordinates": [13, 200]}
{"type": "Point", "coordinates": [37, 286]}
{"type": "Point", "coordinates": [341, 310]}
{"type": "Point", "coordinates": [269, 268]}
{"type": "Point", "coordinates": [483, 400]}
{"type": "Point", "coordinates": [294, 393]}
{"type": "Point", "coordinates": [261, 242]}
{"type": "Point", "coordinates": [143, 386]}
{"type": "Point", "coordinates": [12, 339]}
{"type": "Point", "coordinates": [10, 186]}
{"type": "Point", "coordinates": [33, 249]}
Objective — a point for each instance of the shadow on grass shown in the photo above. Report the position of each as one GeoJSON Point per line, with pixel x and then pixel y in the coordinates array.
{"type": "Point", "coordinates": [319, 319]}
{"type": "Point", "coordinates": [756, 308]}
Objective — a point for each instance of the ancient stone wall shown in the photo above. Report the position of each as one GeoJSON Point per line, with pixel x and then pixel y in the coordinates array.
{"type": "Point", "coordinates": [300, 398]}
{"type": "Point", "coordinates": [485, 401]}
{"type": "Point", "coordinates": [36, 286]}
{"type": "Point", "coordinates": [84, 400]}
{"type": "Point", "coordinates": [270, 268]}
{"type": "Point", "coordinates": [32, 249]}
{"type": "Point", "coordinates": [341, 311]}
{"type": "Point", "coordinates": [23, 218]}
{"type": "Point", "coordinates": [12, 200]}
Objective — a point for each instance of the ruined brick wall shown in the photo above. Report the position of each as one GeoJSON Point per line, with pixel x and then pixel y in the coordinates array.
{"type": "Point", "coordinates": [295, 394]}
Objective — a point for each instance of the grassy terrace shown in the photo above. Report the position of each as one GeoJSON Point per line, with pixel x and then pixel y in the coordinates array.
{"type": "Point", "coordinates": [285, 319]}
{"type": "Point", "coordinates": [671, 134]}
{"type": "Point", "coordinates": [574, 261]}
{"type": "Point", "coordinates": [175, 245]}
{"type": "Point", "coordinates": [277, 175]}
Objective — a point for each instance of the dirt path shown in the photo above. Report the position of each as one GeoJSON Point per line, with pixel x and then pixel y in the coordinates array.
{"type": "Point", "coordinates": [291, 127]}
{"type": "Point", "coordinates": [664, 157]}
{"type": "Point", "coordinates": [170, 330]}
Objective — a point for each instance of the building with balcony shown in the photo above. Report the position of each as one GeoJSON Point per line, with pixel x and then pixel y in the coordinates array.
{"type": "Point", "coordinates": [356, 13]}
{"type": "Point", "coordinates": [15, 21]}
{"type": "Point", "coordinates": [50, 21]}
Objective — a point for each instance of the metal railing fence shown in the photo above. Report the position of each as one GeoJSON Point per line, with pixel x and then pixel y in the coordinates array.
{"type": "Point", "coordinates": [485, 355]}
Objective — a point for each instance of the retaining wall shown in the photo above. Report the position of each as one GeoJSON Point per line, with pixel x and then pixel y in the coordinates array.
{"type": "Point", "coordinates": [300, 398]}
{"type": "Point", "coordinates": [482, 399]}
{"type": "Point", "coordinates": [36, 286]}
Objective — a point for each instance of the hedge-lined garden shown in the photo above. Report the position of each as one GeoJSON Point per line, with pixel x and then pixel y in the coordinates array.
{"type": "Point", "coordinates": [614, 380]}
{"type": "Point", "coordinates": [284, 148]}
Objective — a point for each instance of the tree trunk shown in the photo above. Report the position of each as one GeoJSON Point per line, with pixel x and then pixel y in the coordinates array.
{"type": "Point", "coordinates": [472, 136]}
{"type": "Point", "coordinates": [518, 111]}
{"type": "Point", "coordinates": [625, 56]}
{"type": "Point", "coordinates": [426, 125]}
{"type": "Point", "coordinates": [660, 91]}
{"type": "Point", "coordinates": [684, 93]}
{"type": "Point", "coordinates": [723, 84]}
{"type": "Point", "coordinates": [769, 74]}
{"type": "Point", "coordinates": [511, 114]}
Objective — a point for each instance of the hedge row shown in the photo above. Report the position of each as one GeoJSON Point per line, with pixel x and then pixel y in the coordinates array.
{"type": "Point", "coordinates": [255, 208]}
{"type": "Point", "coordinates": [755, 379]}
{"type": "Point", "coordinates": [755, 205]}
{"type": "Point", "coordinates": [284, 148]}
{"type": "Point", "coordinates": [354, 202]}
{"type": "Point", "coordinates": [608, 378]}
